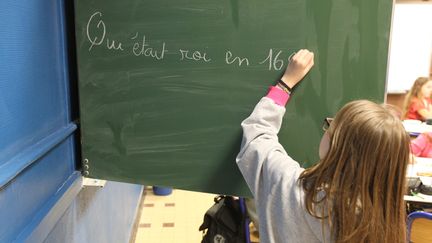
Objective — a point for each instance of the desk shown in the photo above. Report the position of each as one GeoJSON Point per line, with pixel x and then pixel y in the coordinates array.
{"type": "Point", "coordinates": [421, 165]}
{"type": "Point", "coordinates": [420, 198]}
{"type": "Point", "coordinates": [415, 128]}
{"type": "Point", "coordinates": [419, 202]}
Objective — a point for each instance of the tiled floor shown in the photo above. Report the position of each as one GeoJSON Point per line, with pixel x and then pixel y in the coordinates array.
{"type": "Point", "coordinates": [174, 218]}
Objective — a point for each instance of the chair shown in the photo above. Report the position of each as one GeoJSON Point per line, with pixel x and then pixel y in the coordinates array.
{"type": "Point", "coordinates": [247, 220]}
{"type": "Point", "coordinates": [420, 227]}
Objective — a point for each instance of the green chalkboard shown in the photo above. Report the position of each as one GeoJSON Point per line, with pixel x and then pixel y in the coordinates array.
{"type": "Point", "coordinates": [164, 85]}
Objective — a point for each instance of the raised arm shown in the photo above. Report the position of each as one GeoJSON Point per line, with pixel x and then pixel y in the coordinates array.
{"type": "Point", "coordinates": [262, 157]}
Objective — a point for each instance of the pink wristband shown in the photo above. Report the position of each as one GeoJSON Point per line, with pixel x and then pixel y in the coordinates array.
{"type": "Point", "coordinates": [279, 96]}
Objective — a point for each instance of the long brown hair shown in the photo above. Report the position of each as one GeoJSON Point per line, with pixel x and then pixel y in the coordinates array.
{"type": "Point", "coordinates": [360, 182]}
{"type": "Point", "coordinates": [414, 93]}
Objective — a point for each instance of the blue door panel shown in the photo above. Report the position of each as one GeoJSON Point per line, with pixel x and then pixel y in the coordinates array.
{"type": "Point", "coordinates": [21, 200]}
{"type": "Point", "coordinates": [33, 84]}
{"type": "Point", "coordinates": [34, 105]}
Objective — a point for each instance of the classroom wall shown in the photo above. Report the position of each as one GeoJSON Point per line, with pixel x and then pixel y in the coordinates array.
{"type": "Point", "coordinates": [410, 45]}
{"type": "Point", "coordinates": [41, 192]}
{"type": "Point", "coordinates": [99, 215]}
{"type": "Point", "coordinates": [396, 99]}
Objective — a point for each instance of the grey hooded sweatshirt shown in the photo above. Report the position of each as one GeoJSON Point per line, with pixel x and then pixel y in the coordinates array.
{"type": "Point", "coordinates": [272, 176]}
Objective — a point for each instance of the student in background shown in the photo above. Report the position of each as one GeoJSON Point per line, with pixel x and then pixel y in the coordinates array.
{"type": "Point", "coordinates": [353, 194]}
{"type": "Point", "coordinates": [418, 103]}
{"type": "Point", "coordinates": [422, 145]}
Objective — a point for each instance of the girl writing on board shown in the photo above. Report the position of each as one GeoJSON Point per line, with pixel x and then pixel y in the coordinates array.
{"type": "Point", "coordinates": [418, 103]}
{"type": "Point", "coordinates": [353, 194]}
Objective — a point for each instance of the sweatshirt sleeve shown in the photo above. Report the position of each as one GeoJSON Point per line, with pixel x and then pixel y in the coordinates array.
{"type": "Point", "coordinates": [262, 159]}
{"type": "Point", "coordinates": [418, 145]}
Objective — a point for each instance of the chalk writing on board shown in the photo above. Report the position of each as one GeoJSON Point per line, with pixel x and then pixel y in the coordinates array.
{"type": "Point", "coordinates": [101, 27]}
{"type": "Point", "coordinates": [143, 48]}
{"type": "Point", "coordinates": [195, 55]}
{"type": "Point", "coordinates": [273, 62]}
{"type": "Point", "coordinates": [229, 59]}
{"type": "Point", "coordinates": [98, 36]}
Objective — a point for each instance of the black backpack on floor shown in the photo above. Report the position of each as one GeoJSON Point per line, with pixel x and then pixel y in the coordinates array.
{"type": "Point", "coordinates": [225, 221]}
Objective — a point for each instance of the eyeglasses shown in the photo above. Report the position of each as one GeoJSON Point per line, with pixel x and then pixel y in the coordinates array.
{"type": "Point", "coordinates": [326, 123]}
